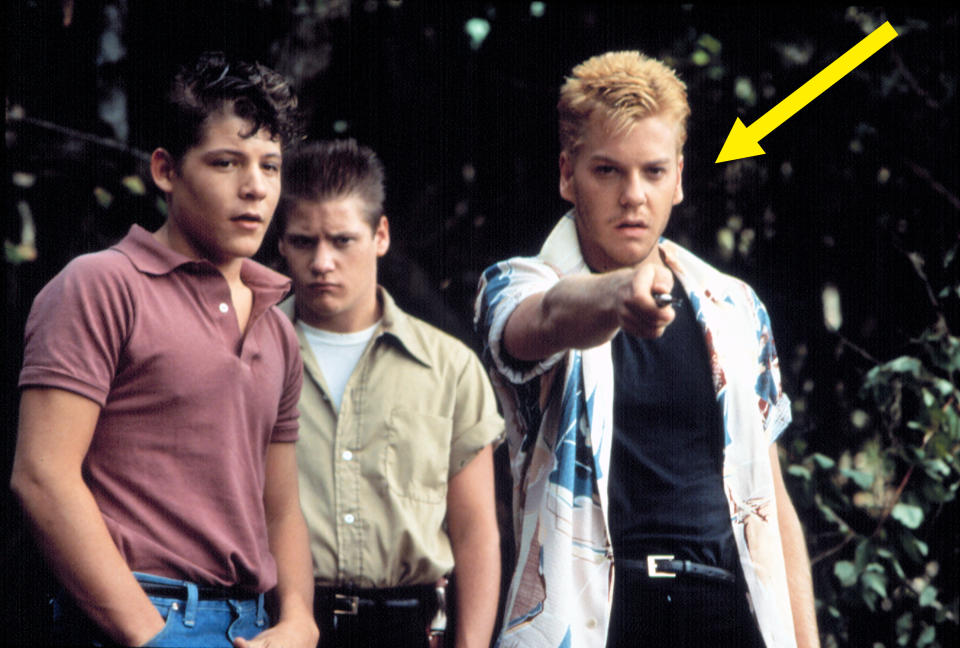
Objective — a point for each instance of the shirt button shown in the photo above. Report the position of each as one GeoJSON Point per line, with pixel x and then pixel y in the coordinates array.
{"type": "Point", "coordinates": [591, 623]}
{"type": "Point", "coordinates": [347, 455]}
{"type": "Point", "coordinates": [223, 307]}
{"type": "Point", "coordinates": [348, 518]}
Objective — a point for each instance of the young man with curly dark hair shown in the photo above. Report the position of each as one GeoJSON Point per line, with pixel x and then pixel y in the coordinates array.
{"type": "Point", "coordinates": [155, 455]}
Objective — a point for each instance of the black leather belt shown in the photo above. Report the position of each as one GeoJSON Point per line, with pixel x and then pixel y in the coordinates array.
{"type": "Point", "coordinates": [204, 593]}
{"type": "Point", "coordinates": [665, 566]}
{"type": "Point", "coordinates": [351, 601]}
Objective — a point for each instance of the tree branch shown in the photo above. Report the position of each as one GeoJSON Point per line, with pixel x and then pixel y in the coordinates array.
{"type": "Point", "coordinates": [80, 135]}
{"type": "Point", "coordinates": [923, 174]}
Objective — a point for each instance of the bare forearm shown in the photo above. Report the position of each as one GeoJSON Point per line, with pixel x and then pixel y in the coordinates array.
{"type": "Point", "coordinates": [475, 539]}
{"type": "Point", "coordinates": [288, 544]}
{"type": "Point", "coordinates": [477, 577]}
{"type": "Point", "coordinates": [580, 312]}
{"type": "Point", "coordinates": [80, 551]}
{"type": "Point", "coordinates": [287, 535]}
{"type": "Point", "coordinates": [584, 311]}
{"type": "Point", "coordinates": [799, 580]}
{"type": "Point", "coordinates": [576, 313]}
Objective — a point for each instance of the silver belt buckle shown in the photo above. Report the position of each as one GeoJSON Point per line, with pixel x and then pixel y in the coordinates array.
{"type": "Point", "coordinates": [352, 604]}
{"type": "Point", "coordinates": [652, 570]}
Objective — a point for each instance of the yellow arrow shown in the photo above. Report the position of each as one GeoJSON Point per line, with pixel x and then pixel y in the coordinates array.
{"type": "Point", "coordinates": [744, 141]}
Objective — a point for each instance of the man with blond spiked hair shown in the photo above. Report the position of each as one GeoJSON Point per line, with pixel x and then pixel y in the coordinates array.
{"type": "Point", "coordinates": [641, 389]}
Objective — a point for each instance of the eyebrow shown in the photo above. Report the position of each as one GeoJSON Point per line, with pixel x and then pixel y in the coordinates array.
{"type": "Point", "coordinates": [239, 153]}
{"type": "Point", "coordinates": [604, 159]}
{"type": "Point", "coordinates": [329, 235]}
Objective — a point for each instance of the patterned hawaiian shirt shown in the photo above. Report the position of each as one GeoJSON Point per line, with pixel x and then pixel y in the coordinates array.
{"type": "Point", "coordinates": [559, 417]}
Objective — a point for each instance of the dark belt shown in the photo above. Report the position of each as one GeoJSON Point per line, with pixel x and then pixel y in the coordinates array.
{"type": "Point", "coordinates": [204, 593]}
{"type": "Point", "coordinates": [351, 601]}
{"type": "Point", "coordinates": [665, 566]}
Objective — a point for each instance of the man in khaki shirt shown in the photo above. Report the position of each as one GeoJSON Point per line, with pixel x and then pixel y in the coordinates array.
{"type": "Point", "coordinates": [398, 423]}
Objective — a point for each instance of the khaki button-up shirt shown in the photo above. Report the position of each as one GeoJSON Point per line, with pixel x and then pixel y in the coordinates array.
{"type": "Point", "coordinates": [373, 476]}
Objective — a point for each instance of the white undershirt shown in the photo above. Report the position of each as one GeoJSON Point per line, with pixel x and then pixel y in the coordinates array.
{"type": "Point", "coordinates": [337, 355]}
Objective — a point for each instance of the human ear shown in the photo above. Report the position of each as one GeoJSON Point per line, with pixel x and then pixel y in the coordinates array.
{"type": "Point", "coordinates": [678, 190]}
{"type": "Point", "coordinates": [566, 176]}
{"type": "Point", "coordinates": [163, 168]}
{"type": "Point", "coordinates": [382, 235]}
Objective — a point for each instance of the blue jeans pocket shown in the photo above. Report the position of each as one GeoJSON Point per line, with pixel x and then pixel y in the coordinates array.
{"type": "Point", "coordinates": [172, 612]}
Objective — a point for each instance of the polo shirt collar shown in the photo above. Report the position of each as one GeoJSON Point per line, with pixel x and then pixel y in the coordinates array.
{"type": "Point", "coordinates": [149, 256]}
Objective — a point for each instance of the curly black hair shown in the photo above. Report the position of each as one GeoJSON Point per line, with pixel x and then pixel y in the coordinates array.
{"type": "Point", "coordinates": [214, 83]}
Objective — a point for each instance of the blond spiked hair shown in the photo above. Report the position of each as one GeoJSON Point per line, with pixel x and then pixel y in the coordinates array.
{"type": "Point", "coordinates": [625, 87]}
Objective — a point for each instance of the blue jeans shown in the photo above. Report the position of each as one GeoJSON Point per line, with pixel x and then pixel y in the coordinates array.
{"type": "Point", "coordinates": [190, 621]}
{"type": "Point", "coordinates": [204, 623]}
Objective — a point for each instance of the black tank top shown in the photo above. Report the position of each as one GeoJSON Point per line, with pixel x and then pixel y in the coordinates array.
{"type": "Point", "coordinates": [665, 487]}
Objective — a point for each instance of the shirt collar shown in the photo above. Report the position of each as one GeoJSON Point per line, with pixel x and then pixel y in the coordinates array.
{"type": "Point", "coordinates": [398, 325]}
{"type": "Point", "coordinates": [394, 324]}
{"type": "Point", "coordinates": [150, 256]}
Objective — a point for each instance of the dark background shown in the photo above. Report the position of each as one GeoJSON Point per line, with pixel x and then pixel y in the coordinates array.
{"type": "Point", "coordinates": [850, 186]}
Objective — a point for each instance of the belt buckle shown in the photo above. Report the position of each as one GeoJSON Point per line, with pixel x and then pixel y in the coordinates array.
{"type": "Point", "coordinates": [653, 571]}
{"type": "Point", "coordinates": [352, 604]}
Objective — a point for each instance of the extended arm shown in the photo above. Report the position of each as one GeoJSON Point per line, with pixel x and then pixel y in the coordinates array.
{"type": "Point", "coordinates": [472, 521]}
{"type": "Point", "coordinates": [797, 561]}
{"type": "Point", "coordinates": [56, 428]}
{"type": "Point", "coordinates": [584, 311]}
{"type": "Point", "coordinates": [287, 533]}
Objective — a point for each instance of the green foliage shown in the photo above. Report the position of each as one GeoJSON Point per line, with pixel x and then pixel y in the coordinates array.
{"type": "Point", "coordinates": [903, 472]}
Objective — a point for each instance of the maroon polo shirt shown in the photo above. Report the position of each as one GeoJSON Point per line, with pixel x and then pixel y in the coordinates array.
{"type": "Point", "coordinates": [189, 402]}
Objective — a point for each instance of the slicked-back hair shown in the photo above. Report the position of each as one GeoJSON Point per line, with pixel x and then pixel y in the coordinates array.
{"type": "Point", "coordinates": [329, 170]}
{"type": "Point", "coordinates": [214, 85]}
{"type": "Point", "coordinates": [624, 87]}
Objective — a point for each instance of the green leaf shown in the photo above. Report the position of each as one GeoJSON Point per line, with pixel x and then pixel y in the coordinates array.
{"type": "Point", "coordinates": [824, 461]}
{"type": "Point", "coordinates": [477, 29]}
{"type": "Point", "coordinates": [863, 554]}
{"type": "Point", "coordinates": [949, 256]}
{"type": "Point", "coordinates": [898, 569]}
{"type": "Point", "coordinates": [904, 626]}
{"type": "Point", "coordinates": [945, 387]}
{"type": "Point", "coordinates": [937, 466]}
{"type": "Point", "coordinates": [863, 479]}
{"type": "Point", "coordinates": [104, 197]}
{"type": "Point", "coordinates": [875, 568]}
{"type": "Point", "coordinates": [909, 515]}
{"type": "Point", "coordinates": [700, 58]}
{"type": "Point", "coordinates": [799, 471]}
{"type": "Point", "coordinates": [914, 547]}
{"type": "Point", "coordinates": [846, 573]}
{"type": "Point", "coordinates": [709, 43]}
{"type": "Point", "coordinates": [876, 582]}
{"type": "Point", "coordinates": [927, 636]}
{"type": "Point", "coordinates": [928, 596]}
{"type": "Point", "coordinates": [134, 185]}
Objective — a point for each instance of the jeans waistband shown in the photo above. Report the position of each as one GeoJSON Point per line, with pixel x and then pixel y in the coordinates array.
{"type": "Point", "coordinates": [191, 594]}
